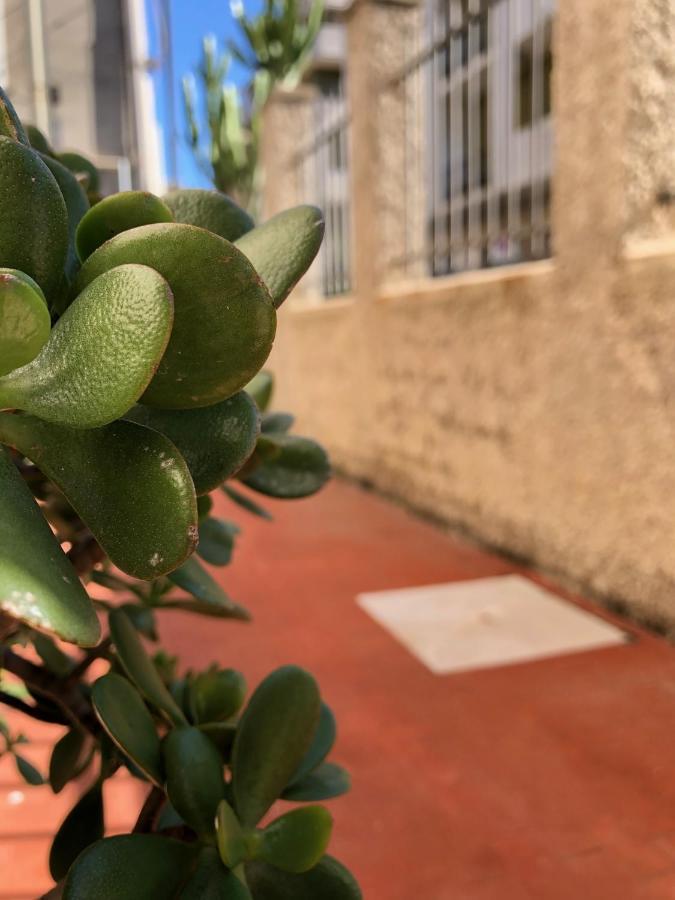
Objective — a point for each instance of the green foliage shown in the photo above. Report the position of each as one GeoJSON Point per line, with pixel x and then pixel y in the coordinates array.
{"type": "Point", "coordinates": [130, 390]}
{"type": "Point", "coordinates": [275, 46]}
{"type": "Point", "coordinates": [279, 40]}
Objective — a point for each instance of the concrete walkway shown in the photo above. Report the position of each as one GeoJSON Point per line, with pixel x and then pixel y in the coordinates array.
{"type": "Point", "coordinates": [551, 780]}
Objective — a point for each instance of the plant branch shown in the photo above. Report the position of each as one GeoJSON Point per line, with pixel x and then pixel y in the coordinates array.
{"type": "Point", "coordinates": [77, 709]}
{"type": "Point", "coordinates": [92, 655]}
{"type": "Point", "coordinates": [150, 809]}
{"type": "Point", "coordinates": [33, 711]}
{"type": "Point", "coordinates": [8, 625]}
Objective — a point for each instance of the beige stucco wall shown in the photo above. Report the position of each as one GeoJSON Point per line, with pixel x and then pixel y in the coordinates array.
{"type": "Point", "coordinates": [533, 406]}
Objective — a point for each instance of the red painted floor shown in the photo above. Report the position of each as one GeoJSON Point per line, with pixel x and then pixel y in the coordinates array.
{"type": "Point", "coordinates": [552, 780]}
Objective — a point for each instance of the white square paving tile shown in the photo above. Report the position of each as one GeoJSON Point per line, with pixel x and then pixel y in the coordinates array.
{"type": "Point", "coordinates": [486, 622]}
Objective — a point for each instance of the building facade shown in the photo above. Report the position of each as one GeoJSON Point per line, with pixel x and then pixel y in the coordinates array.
{"type": "Point", "coordinates": [499, 351]}
{"type": "Point", "coordinates": [78, 69]}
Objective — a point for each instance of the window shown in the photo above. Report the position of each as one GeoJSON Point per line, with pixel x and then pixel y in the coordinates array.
{"type": "Point", "coordinates": [477, 136]}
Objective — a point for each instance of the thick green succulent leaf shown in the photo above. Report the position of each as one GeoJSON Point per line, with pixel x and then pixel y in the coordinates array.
{"type": "Point", "coordinates": [215, 441]}
{"type": "Point", "coordinates": [34, 223]}
{"type": "Point", "coordinates": [230, 836]}
{"type": "Point", "coordinates": [290, 467]}
{"type": "Point", "coordinates": [194, 777]}
{"type": "Point", "coordinates": [326, 781]}
{"type": "Point", "coordinates": [282, 249]}
{"type": "Point", "coordinates": [204, 506]}
{"type": "Point", "coordinates": [48, 596]}
{"type": "Point", "coordinates": [142, 618]}
{"type": "Point", "coordinates": [101, 354]}
{"type": "Point", "coordinates": [260, 387]}
{"type": "Point", "coordinates": [127, 483]}
{"type": "Point", "coordinates": [115, 214]}
{"type": "Point", "coordinates": [216, 694]}
{"type": "Point", "coordinates": [221, 734]}
{"type": "Point", "coordinates": [25, 322]}
{"type": "Point", "coordinates": [37, 140]}
{"type": "Point", "coordinates": [209, 596]}
{"type": "Point", "coordinates": [211, 210]}
{"type": "Point", "coordinates": [82, 826]}
{"type": "Point", "coordinates": [27, 771]}
{"type": "Point", "coordinates": [324, 738]}
{"type": "Point", "coordinates": [246, 502]}
{"type": "Point", "coordinates": [76, 206]}
{"type": "Point", "coordinates": [296, 841]}
{"type": "Point", "coordinates": [140, 668]}
{"type": "Point", "coordinates": [216, 541]}
{"type": "Point", "coordinates": [69, 757]}
{"type": "Point", "coordinates": [52, 656]}
{"type": "Point", "coordinates": [82, 168]}
{"type": "Point", "coordinates": [224, 317]}
{"type": "Point", "coordinates": [131, 867]}
{"type": "Point", "coordinates": [273, 736]}
{"type": "Point", "coordinates": [277, 423]}
{"type": "Point", "coordinates": [211, 881]}
{"type": "Point", "coordinates": [328, 880]}
{"type": "Point", "coordinates": [10, 124]}
{"type": "Point", "coordinates": [125, 717]}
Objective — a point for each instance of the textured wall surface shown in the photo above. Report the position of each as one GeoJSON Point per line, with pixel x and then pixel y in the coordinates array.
{"type": "Point", "coordinates": [533, 405]}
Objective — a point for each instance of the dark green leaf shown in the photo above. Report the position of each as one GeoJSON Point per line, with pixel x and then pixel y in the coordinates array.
{"type": "Point", "coordinates": [221, 734]}
{"type": "Point", "coordinates": [277, 423]}
{"type": "Point", "coordinates": [194, 777]}
{"type": "Point", "coordinates": [290, 467]}
{"type": "Point", "coordinates": [245, 502]}
{"type": "Point", "coordinates": [260, 388]}
{"type": "Point", "coordinates": [28, 771]}
{"type": "Point", "coordinates": [49, 596]}
{"type": "Point", "coordinates": [69, 757]}
{"type": "Point", "coordinates": [81, 167]}
{"type": "Point", "coordinates": [273, 736]}
{"type": "Point", "coordinates": [204, 506]}
{"type": "Point", "coordinates": [58, 662]}
{"type": "Point", "coordinates": [38, 141]}
{"type": "Point", "coordinates": [216, 695]}
{"type": "Point", "coordinates": [194, 579]}
{"type": "Point", "coordinates": [324, 738]}
{"type": "Point", "coordinates": [168, 818]}
{"type": "Point", "coordinates": [82, 826]}
{"type": "Point", "coordinates": [127, 483]}
{"type": "Point", "coordinates": [216, 541]}
{"type": "Point", "coordinates": [296, 841]}
{"type": "Point", "coordinates": [325, 782]}
{"type": "Point", "coordinates": [142, 618]}
{"type": "Point", "coordinates": [76, 206]}
{"type": "Point", "coordinates": [215, 441]}
{"type": "Point", "coordinates": [211, 881]}
{"type": "Point", "coordinates": [140, 668]}
{"type": "Point", "coordinates": [126, 719]}
{"type": "Point", "coordinates": [328, 880]}
{"type": "Point", "coordinates": [34, 225]}
{"type": "Point", "coordinates": [131, 867]}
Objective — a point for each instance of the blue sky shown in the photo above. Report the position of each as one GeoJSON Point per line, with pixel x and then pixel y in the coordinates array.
{"type": "Point", "coordinates": [191, 21]}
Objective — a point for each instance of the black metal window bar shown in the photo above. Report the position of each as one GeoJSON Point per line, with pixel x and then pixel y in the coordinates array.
{"type": "Point", "coordinates": [477, 136]}
{"type": "Point", "coordinates": [323, 171]}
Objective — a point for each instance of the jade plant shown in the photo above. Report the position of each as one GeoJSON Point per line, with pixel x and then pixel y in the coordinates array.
{"type": "Point", "coordinates": [276, 47]}
{"type": "Point", "coordinates": [132, 338]}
